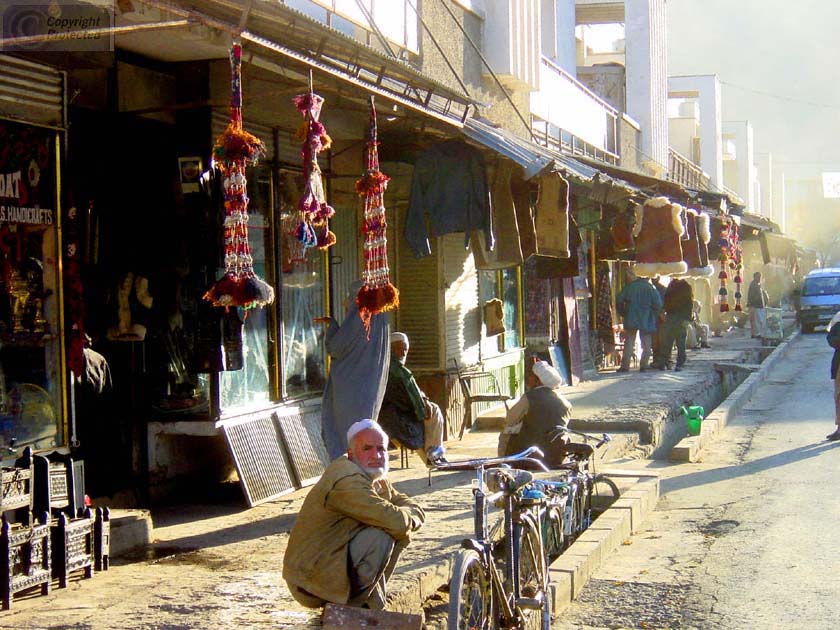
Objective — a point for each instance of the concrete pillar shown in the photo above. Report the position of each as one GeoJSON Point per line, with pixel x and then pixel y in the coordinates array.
{"type": "Point", "coordinates": [647, 77]}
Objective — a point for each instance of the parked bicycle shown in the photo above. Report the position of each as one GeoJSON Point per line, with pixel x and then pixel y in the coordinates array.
{"type": "Point", "coordinates": [589, 492]}
{"type": "Point", "coordinates": [500, 584]}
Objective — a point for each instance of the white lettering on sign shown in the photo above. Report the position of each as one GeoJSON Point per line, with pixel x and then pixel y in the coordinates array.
{"type": "Point", "coordinates": [13, 214]}
{"type": "Point", "coordinates": [10, 185]}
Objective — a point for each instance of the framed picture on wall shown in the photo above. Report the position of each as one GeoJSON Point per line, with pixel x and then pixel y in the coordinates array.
{"type": "Point", "coordinates": [189, 170]}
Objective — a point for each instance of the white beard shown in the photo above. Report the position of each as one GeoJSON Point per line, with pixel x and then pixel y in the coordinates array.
{"type": "Point", "coordinates": [377, 473]}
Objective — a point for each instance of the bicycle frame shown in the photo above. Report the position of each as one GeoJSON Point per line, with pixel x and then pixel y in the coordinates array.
{"type": "Point", "coordinates": [505, 588]}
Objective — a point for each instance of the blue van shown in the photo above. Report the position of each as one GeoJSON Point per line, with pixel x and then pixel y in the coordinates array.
{"type": "Point", "coordinates": [820, 298]}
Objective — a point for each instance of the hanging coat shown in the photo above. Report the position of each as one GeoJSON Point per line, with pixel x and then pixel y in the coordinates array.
{"type": "Point", "coordinates": [658, 231]}
{"type": "Point", "coordinates": [696, 242]}
{"type": "Point", "coordinates": [358, 373]}
{"type": "Point", "coordinates": [450, 186]}
{"type": "Point", "coordinates": [552, 216]}
{"type": "Point", "coordinates": [508, 252]}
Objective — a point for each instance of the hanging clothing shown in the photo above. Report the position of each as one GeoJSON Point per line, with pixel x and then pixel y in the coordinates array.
{"type": "Point", "coordinates": [450, 186]}
{"type": "Point", "coordinates": [508, 252]}
{"type": "Point", "coordinates": [552, 216]}
{"type": "Point", "coordinates": [658, 231]}
{"type": "Point", "coordinates": [696, 246]}
{"type": "Point", "coordinates": [358, 373]}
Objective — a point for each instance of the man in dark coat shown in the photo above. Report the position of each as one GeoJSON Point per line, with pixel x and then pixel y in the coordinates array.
{"type": "Point", "coordinates": [407, 414]}
{"type": "Point", "coordinates": [679, 301]}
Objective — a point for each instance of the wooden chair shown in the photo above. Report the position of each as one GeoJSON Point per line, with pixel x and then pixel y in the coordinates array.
{"type": "Point", "coordinates": [471, 384]}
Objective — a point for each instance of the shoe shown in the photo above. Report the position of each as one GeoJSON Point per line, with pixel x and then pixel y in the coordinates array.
{"type": "Point", "coordinates": [833, 437]}
{"type": "Point", "coordinates": [678, 368]}
{"type": "Point", "coordinates": [623, 369]}
{"type": "Point", "coordinates": [705, 345]}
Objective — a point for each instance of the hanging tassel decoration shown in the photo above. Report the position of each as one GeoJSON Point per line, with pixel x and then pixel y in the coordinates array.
{"type": "Point", "coordinates": [234, 150]}
{"type": "Point", "coordinates": [312, 228]}
{"type": "Point", "coordinates": [377, 295]}
{"type": "Point", "coordinates": [723, 259]}
{"type": "Point", "coordinates": [737, 263]}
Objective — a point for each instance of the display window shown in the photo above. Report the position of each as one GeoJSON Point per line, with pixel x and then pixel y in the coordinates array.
{"type": "Point", "coordinates": [500, 296]}
{"type": "Point", "coordinates": [31, 373]}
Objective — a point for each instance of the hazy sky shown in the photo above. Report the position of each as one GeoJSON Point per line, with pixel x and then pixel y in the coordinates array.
{"type": "Point", "coordinates": [779, 62]}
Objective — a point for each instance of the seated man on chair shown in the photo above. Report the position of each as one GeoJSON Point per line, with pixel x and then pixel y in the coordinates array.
{"type": "Point", "coordinates": [534, 415]}
{"type": "Point", "coordinates": [407, 414]}
{"type": "Point", "coordinates": [351, 528]}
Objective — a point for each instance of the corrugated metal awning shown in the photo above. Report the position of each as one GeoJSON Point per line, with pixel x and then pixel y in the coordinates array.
{"type": "Point", "coordinates": [532, 157]}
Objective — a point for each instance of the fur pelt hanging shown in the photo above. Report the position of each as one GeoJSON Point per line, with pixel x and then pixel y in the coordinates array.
{"type": "Point", "coordinates": [377, 295]}
{"type": "Point", "coordinates": [658, 231]}
{"type": "Point", "coordinates": [696, 244]}
{"type": "Point", "coordinates": [552, 216]}
{"type": "Point", "coordinates": [234, 150]}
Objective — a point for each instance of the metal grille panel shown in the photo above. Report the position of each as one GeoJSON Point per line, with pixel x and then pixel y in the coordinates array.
{"type": "Point", "coordinates": [301, 431]}
{"type": "Point", "coordinates": [31, 91]}
{"type": "Point", "coordinates": [264, 469]}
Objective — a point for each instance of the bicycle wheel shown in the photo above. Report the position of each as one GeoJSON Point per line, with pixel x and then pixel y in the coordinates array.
{"type": "Point", "coordinates": [553, 533]}
{"type": "Point", "coordinates": [602, 494]}
{"type": "Point", "coordinates": [533, 573]}
{"type": "Point", "coordinates": [469, 594]}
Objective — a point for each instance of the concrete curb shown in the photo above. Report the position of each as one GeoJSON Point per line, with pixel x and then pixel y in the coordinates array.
{"type": "Point", "coordinates": [571, 570]}
{"type": "Point", "coordinates": [690, 448]}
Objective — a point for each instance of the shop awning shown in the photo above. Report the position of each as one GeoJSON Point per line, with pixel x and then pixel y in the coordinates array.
{"type": "Point", "coordinates": [776, 247]}
{"type": "Point", "coordinates": [532, 157]}
{"type": "Point", "coordinates": [292, 41]}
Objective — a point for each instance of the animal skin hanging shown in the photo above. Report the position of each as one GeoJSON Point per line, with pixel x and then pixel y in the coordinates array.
{"type": "Point", "coordinates": [312, 229]}
{"type": "Point", "coordinates": [234, 150]}
{"type": "Point", "coordinates": [378, 294]}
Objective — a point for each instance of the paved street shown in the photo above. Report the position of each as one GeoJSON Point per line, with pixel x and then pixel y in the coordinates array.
{"type": "Point", "coordinates": [744, 539]}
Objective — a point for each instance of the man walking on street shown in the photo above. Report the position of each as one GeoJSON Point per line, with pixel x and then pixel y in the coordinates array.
{"type": "Point", "coordinates": [679, 301]}
{"type": "Point", "coordinates": [833, 338]}
{"type": "Point", "coordinates": [639, 304]}
{"type": "Point", "coordinates": [757, 299]}
{"type": "Point", "coordinates": [351, 528]}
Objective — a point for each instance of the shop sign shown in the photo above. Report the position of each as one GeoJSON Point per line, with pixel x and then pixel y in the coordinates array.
{"type": "Point", "coordinates": [27, 174]}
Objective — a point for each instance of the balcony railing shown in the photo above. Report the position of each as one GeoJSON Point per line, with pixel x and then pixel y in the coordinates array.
{"type": "Point", "coordinates": [686, 173]}
{"type": "Point", "coordinates": [569, 116]}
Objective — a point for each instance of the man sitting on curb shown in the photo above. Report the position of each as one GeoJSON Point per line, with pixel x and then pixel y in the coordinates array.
{"type": "Point", "coordinates": [407, 414]}
{"type": "Point", "coordinates": [351, 528]}
{"type": "Point", "coordinates": [534, 415]}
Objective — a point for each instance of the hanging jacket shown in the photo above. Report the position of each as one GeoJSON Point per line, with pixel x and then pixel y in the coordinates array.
{"type": "Point", "coordinates": [450, 186]}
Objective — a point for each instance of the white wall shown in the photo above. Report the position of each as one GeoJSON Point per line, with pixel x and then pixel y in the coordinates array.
{"type": "Point", "coordinates": [706, 89]}
{"type": "Point", "coordinates": [647, 83]}
{"type": "Point", "coordinates": [764, 162]}
{"type": "Point", "coordinates": [741, 173]}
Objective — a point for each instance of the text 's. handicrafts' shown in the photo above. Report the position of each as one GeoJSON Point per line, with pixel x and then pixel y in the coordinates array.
{"type": "Point", "coordinates": [234, 150]}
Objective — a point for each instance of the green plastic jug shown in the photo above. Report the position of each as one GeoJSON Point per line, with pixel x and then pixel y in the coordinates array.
{"type": "Point", "coordinates": [693, 418]}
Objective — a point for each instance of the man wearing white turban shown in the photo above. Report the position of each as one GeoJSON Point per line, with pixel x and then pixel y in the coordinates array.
{"type": "Point", "coordinates": [535, 414]}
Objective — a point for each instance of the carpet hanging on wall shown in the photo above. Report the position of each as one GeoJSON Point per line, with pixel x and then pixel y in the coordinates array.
{"type": "Point", "coordinates": [377, 295]}
{"type": "Point", "coordinates": [234, 150]}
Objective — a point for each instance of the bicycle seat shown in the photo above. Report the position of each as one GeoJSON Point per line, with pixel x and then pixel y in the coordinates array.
{"type": "Point", "coordinates": [506, 479]}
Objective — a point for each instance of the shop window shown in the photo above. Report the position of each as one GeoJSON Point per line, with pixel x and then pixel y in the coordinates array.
{"type": "Point", "coordinates": [31, 401]}
{"type": "Point", "coordinates": [252, 384]}
{"type": "Point", "coordinates": [304, 299]}
{"type": "Point", "coordinates": [501, 286]}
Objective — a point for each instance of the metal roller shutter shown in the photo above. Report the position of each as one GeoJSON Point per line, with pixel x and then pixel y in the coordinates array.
{"type": "Point", "coordinates": [31, 92]}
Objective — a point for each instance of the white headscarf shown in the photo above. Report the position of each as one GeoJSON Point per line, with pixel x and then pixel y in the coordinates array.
{"type": "Point", "coordinates": [548, 376]}
{"type": "Point", "coordinates": [398, 336]}
{"type": "Point", "coordinates": [362, 425]}
{"type": "Point", "coordinates": [833, 321]}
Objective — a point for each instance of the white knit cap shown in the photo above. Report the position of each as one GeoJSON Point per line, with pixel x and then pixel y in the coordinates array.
{"type": "Point", "coordinates": [548, 375]}
{"type": "Point", "coordinates": [398, 336]}
{"type": "Point", "coordinates": [362, 425]}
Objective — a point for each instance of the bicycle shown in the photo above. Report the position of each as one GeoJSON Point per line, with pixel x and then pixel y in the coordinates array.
{"type": "Point", "coordinates": [481, 594]}
{"type": "Point", "coordinates": [583, 485]}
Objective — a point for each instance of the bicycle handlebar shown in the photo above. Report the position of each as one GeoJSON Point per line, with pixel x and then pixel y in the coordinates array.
{"type": "Point", "coordinates": [560, 430]}
{"type": "Point", "coordinates": [475, 464]}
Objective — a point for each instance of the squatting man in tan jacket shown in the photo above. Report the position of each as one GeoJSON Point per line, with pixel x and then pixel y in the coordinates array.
{"type": "Point", "coordinates": [352, 527]}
